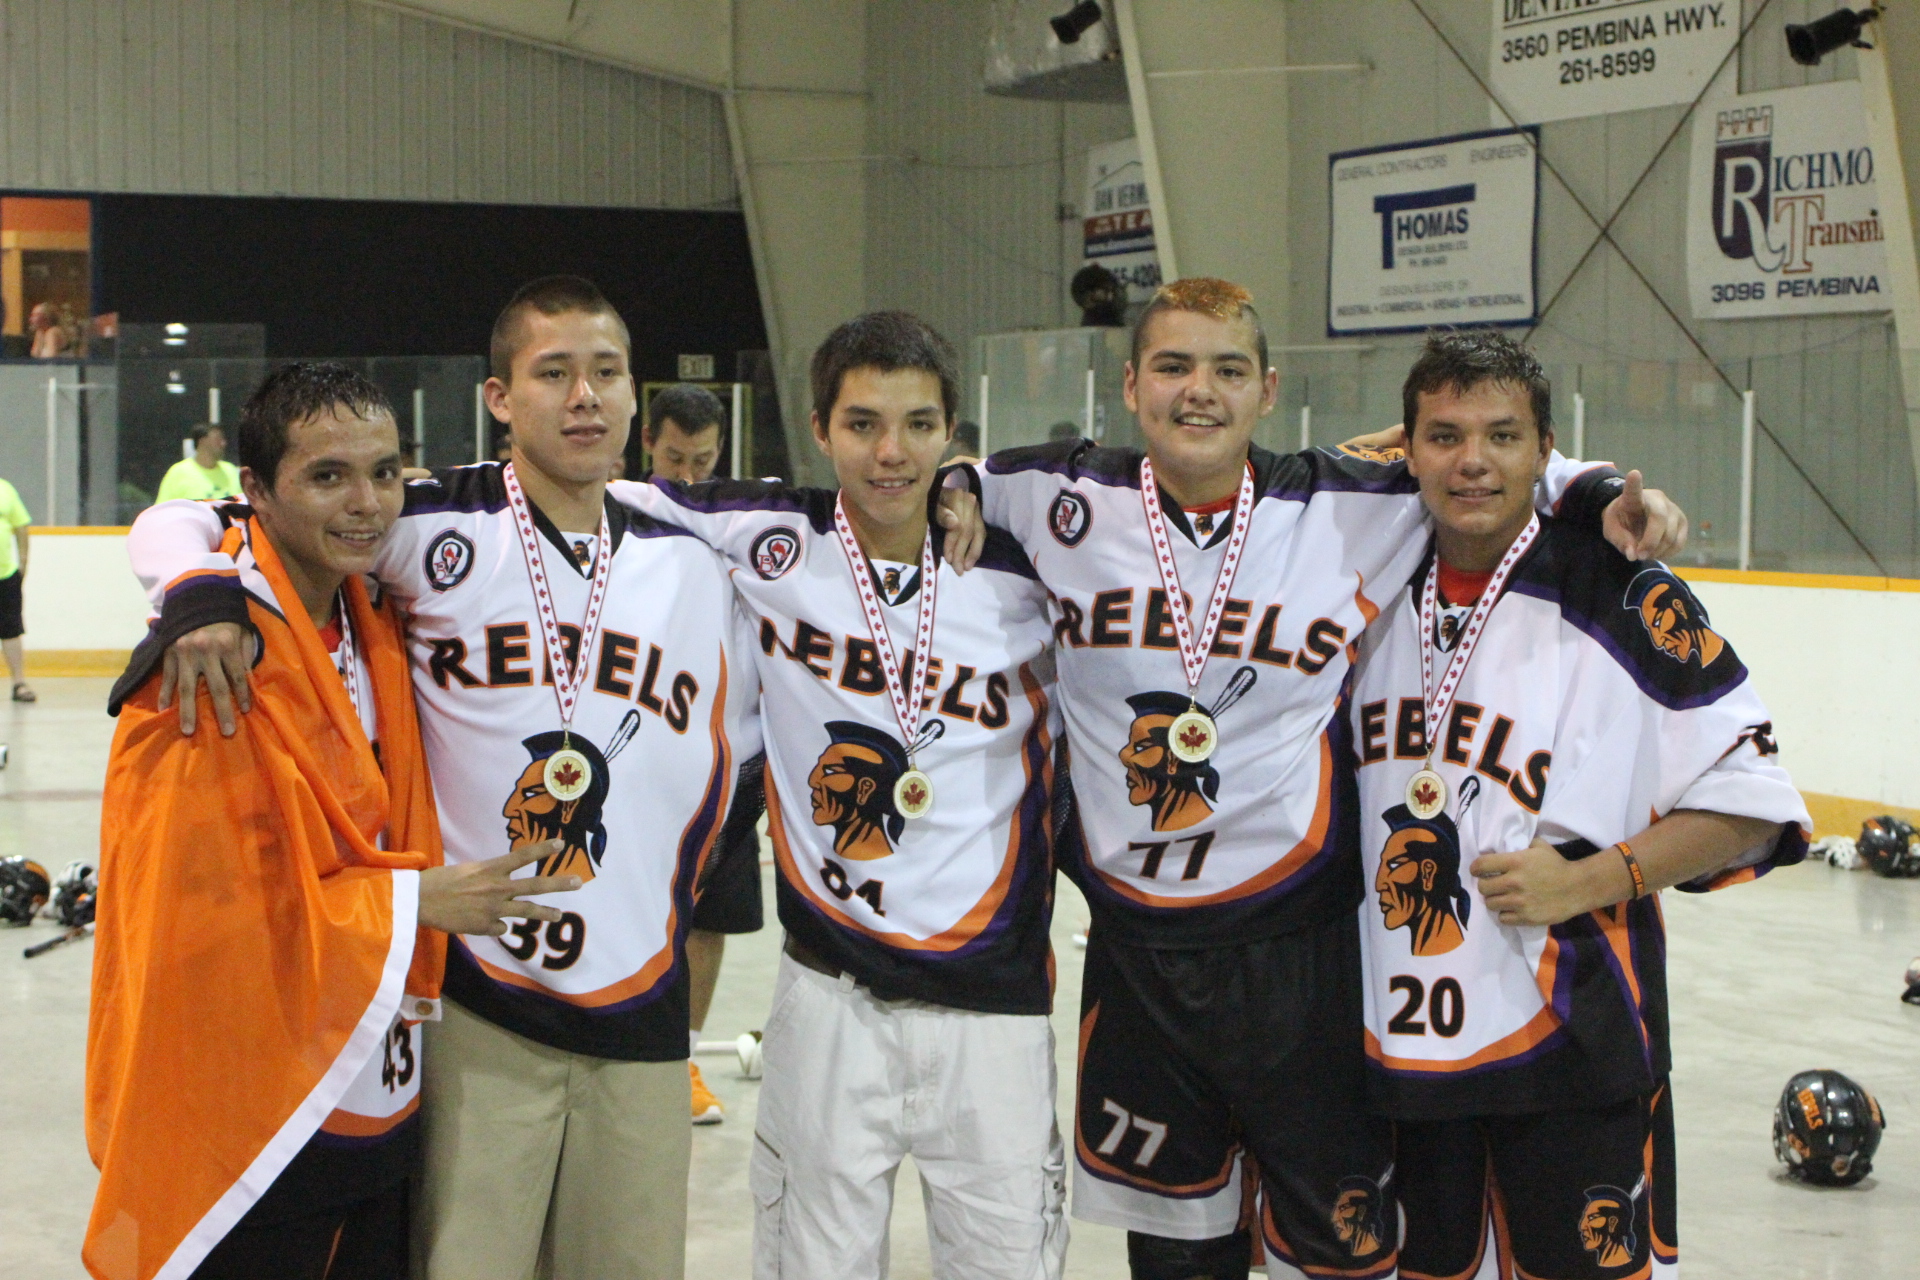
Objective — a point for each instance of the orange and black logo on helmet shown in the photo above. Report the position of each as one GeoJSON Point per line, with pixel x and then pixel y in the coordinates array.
{"type": "Point", "coordinates": [1674, 620]}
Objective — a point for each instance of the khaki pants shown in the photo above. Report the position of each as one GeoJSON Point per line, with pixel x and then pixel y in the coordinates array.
{"type": "Point", "coordinates": [544, 1162]}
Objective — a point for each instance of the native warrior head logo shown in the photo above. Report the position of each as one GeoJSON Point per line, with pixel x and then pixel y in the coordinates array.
{"type": "Point", "coordinates": [774, 552]}
{"type": "Point", "coordinates": [1179, 793]}
{"type": "Point", "coordinates": [1360, 1215]}
{"type": "Point", "coordinates": [1069, 518]}
{"type": "Point", "coordinates": [1606, 1224]}
{"type": "Point", "coordinates": [1446, 629]}
{"type": "Point", "coordinates": [448, 560]}
{"type": "Point", "coordinates": [1673, 618]}
{"type": "Point", "coordinates": [1368, 453]}
{"type": "Point", "coordinates": [534, 814]}
{"type": "Point", "coordinates": [852, 787]}
{"type": "Point", "coordinates": [1419, 881]}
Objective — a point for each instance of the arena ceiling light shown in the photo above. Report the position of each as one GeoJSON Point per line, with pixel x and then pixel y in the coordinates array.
{"type": "Point", "coordinates": [1075, 22]}
{"type": "Point", "coordinates": [1809, 42]}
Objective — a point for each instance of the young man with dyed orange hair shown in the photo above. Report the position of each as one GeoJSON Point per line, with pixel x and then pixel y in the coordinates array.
{"type": "Point", "coordinates": [1221, 1003]}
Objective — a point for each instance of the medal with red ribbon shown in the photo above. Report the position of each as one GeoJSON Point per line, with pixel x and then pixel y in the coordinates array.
{"type": "Point", "coordinates": [913, 792]}
{"type": "Point", "coordinates": [1427, 790]}
{"type": "Point", "coordinates": [568, 772]}
{"type": "Point", "coordinates": [349, 673]}
{"type": "Point", "coordinates": [1193, 735]}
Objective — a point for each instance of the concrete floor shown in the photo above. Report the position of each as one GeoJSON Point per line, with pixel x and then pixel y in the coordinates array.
{"type": "Point", "coordinates": [1801, 970]}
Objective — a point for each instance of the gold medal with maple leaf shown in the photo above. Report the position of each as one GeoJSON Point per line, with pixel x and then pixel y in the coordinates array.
{"type": "Point", "coordinates": [913, 794]}
{"type": "Point", "coordinates": [1193, 736]}
{"type": "Point", "coordinates": [568, 775]}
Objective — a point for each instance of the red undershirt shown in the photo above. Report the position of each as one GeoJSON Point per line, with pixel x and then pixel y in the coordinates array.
{"type": "Point", "coordinates": [330, 634]}
{"type": "Point", "coordinates": [1459, 587]}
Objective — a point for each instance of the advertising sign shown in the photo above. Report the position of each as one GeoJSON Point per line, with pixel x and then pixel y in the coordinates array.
{"type": "Point", "coordinates": [1783, 218]}
{"type": "Point", "coordinates": [1557, 59]}
{"type": "Point", "coordinates": [1433, 233]}
{"type": "Point", "coordinates": [1118, 228]}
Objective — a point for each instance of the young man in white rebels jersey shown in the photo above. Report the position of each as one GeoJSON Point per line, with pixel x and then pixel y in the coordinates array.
{"type": "Point", "coordinates": [1221, 1006]}
{"type": "Point", "coordinates": [910, 727]}
{"type": "Point", "coordinates": [1546, 735]}
{"type": "Point", "coordinates": [580, 678]}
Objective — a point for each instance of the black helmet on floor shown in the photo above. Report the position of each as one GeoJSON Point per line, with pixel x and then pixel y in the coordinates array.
{"type": "Point", "coordinates": [23, 890]}
{"type": "Point", "coordinates": [1887, 844]}
{"type": "Point", "coordinates": [73, 895]}
{"type": "Point", "coordinates": [1826, 1129]}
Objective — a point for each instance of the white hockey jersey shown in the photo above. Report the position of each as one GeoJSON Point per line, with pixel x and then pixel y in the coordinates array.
{"type": "Point", "coordinates": [1260, 838]}
{"type": "Point", "coordinates": [951, 908]}
{"type": "Point", "coordinates": [1598, 699]}
{"type": "Point", "coordinates": [670, 687]}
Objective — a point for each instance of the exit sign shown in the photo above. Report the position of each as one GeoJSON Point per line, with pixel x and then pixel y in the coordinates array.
{"type": "Point", "coordinates": [696, 368]}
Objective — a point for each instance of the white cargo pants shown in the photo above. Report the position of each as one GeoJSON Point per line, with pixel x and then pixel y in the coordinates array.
{"type": "Point", "coordinates": [853, 1085]}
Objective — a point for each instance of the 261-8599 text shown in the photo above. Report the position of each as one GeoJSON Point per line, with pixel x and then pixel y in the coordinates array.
{"type": "Point", "coordinates": [1608, 66]}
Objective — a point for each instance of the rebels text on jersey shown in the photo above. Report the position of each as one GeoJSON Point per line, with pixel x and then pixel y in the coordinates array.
{"type": "Point", "coordinates": [669, 687]}
{"type": "Point", "coordinates": [1259, 838]}
{"type": "Point", "coordinates": [953, 907]}
{"type": "Point", "coordinates": [1597, 700]}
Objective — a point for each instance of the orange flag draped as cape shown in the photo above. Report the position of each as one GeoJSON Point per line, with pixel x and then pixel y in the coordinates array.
{"type": "Point", "coordinates": [254, 941]}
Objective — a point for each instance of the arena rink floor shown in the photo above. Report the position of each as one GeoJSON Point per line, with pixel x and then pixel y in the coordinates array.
{"type": "Point", "coordinates": [1802, 969]}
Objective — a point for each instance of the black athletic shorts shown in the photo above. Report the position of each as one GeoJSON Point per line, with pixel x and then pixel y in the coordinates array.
{"type": "Point", "coordinates": [1192, 1059]}
{"type": "Point", "coordinates": [366, 1239]}
{"type": "Point", "coordinates": [1568, 1194]}
{"type": "Point", "coordinates": [11, 626]}
{"type": "Point", "coordinates": [729, 899]}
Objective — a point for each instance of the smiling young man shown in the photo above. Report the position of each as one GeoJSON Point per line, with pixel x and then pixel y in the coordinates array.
{"type": "Point", "coordinates": [1221, 1003]}
{"type": "Point", "coordinates": [269, 897]}
{"type": "Point", "coordinates": [556, 1094]}
{"type": "Point", "coordinates": [910, 726]}
{"type": "Point", "coordinates": [1518, 713]}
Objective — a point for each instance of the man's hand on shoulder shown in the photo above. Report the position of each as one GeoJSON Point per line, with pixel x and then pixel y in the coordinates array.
{"type": "Point", "coordinates": [959, 515]}
{"type": "Point", "coordinates": [1644, 524]}
{"type": "Point", "coordinates": [477, 898]}
{"type": "Point", "coordinates": [218, 655]}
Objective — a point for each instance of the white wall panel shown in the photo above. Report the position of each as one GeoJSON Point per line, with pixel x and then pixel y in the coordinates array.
{"type": "Point", "coordinates": [964, 188]}
{"type": "Point", "coordinates": [336, 99]}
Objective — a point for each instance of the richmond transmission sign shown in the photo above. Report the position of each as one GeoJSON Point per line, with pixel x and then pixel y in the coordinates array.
{"type": "Point", "coordinates": [1783, 217]}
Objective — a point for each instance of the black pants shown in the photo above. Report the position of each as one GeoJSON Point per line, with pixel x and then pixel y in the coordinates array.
{"type": "Point", "coordinates": [364, 1240]}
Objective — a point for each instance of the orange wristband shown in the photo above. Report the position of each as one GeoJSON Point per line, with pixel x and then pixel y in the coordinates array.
{"type": "Point", "coordinates": [1633, 869]}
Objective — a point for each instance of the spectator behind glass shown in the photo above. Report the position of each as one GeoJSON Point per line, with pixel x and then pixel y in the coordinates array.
{"type": "Point", "coordinates": [53, 331]}
{"type": "Point", "coordinates": [206, 474]}
{"type": "Point", "coordinates": [683, 433]}
{"type": "Point", "coordinates": [14, 522]}
{"type": "Point", "coordinates": [966, 442]}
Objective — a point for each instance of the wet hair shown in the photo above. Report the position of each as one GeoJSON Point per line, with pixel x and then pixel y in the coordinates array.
{"type": "Point", "coordinates": [1207, 296]}
{"type": "Point", "coordinates": [884, 340]}
{"type": "Point", "coordinates": [693, 409]}
{"type": "Point", "coordinates": [1459, 360]}
{"type": "Point", "coordinates": [293, 393]}
{"type": "Point", "coordinates": [550, 296]}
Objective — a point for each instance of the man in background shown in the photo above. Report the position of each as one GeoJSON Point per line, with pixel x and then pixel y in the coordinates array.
{"type": "Point", "coordinates": [682, 437]}
{"type": "Point", "coordinates": [207, 474]}
{"type": "Point", "coordinates": [13, 574]}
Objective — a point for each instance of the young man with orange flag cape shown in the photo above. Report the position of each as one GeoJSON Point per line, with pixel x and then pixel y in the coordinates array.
{"type": "Point", "coordinates": [271, 906]}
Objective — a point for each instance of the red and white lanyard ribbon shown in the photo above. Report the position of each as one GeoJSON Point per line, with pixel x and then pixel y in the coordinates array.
{"type": "Point", "coordinates": [568, 678]}
{"type": "Point", "coordinates": [906, 701]}
{"type": "Point", "coordinates": [1193, 655]}
{"type": "Point", "coordinates": [1439, 704]}
{"type": "Point", "coordinates": [346, 657]}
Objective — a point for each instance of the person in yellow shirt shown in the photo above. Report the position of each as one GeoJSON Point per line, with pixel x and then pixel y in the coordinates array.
{"type": "Point", "coordinates": [206, 474]}
{"type": "Point", "coordinates": [14, 521]}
